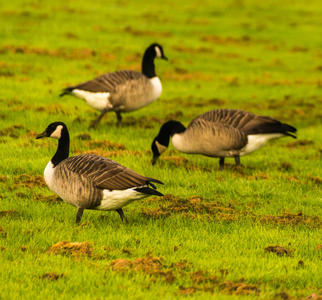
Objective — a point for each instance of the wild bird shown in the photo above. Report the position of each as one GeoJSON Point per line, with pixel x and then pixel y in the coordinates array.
{"type": "Point", "coordinates": [89, 181]}
{"type": "Point", "coordinates": [122, 91]}
{"type": "Point", "coordinates": [220, 133]}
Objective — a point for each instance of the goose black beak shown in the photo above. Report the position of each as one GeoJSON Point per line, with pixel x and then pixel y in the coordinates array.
{"type": "Point", "coordinates": [41, 135]}
{"type": "Point", "coordinates": [164, 57]}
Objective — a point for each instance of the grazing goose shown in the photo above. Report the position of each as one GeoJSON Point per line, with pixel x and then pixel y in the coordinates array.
{"type": "Point", "coordinates": [220, 133]}
{"type": "Point", "coordinates": [122, 91]}
{"type": "Point", "coordinates": [90, 181]}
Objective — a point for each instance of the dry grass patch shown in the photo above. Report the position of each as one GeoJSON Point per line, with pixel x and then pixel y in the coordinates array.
{"type": "Point", "coordinates": [30, 181]}
{"type": "Point", "coordinates": [8, 213]}
{"type": "Point", "coordinates": [293, 220]}
{"type": "Point", "coordinates": [75, 249]}
{"type": "Point", "coordinates": [152, 266]}
{"type": "Point", "coordinates": [280, 251]}
{"type": "Point", "coordinates": [194, 207]}
{"type": "Point", "coordinates": [51, 276]}
{"type": "Point", "coordinates": [12, 131]}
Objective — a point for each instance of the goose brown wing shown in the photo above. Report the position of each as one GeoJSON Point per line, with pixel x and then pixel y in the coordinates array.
{"type": "Point", "coordinates": [223, 136]}
{"type": "Point", "coordinates": [105, 173]}
{"type": "Point", "coordinates": [247, 122]}
{"type": "Point", "coordinates": [108, 82]}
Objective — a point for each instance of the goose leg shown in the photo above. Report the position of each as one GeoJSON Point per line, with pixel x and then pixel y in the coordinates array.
{"type": "Point", "coordinates": [120, 212]}
{"type": "Point", "coordinates": [237, 160]}
{"type": "Point", "coordinates": [94, 123]}
{"type": "Point", "coordinates": [119, 119]}
{"type": "Point", "coordinates": [221, 163]}
{"type": "Point", "coordinates": [80, 211]}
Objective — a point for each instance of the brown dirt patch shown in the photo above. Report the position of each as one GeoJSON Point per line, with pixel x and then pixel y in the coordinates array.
{"type": "Point", "coordinates": [75, 249]}
{"type": "Point", "coordinates": [113, 154]}
{"type": "Point", "coordinates": [239, 288]}
{"type": "Point", "coordinates": [314, 297]}
{"type": "Point", "coordinates": [148, 265]}
{"type": "Point", "coordinates": [293, 219]}
{"type": "Point", "coordinates": [193, 207]}
{"type": "Point", "coordinates": [7, 213]}
{"type": "Point", "coordinates": [188, 290]}
{"type": "Point", "coordinates": [13, 131]}
{"type": "Point", "coordinates": [2, 232]}
{"type": "Point", "coordinates": [199, 277]}
{"type": "Point", "coordinates": [280, 251]}
{"type": "Point", "coordinates": [78, 53]}
{"type": "Point", "coordinates": [299, 143]}
{"type": "Point", "coordinates": [145, 122]}
{"type": "Point", "coordinates": [52, 199]}
{"type": "Point", "coordinates": [315, 180]}
{"type": "Point", "coordinates": [319, 247]}
{"type": "Point", "coordinates": [84, 137]}
{"type": "Point", "coordinates": [136, 32]}
{"type": "Point", "coordinates": [51, 276]}
{"type": "Point", "coordinates": [103, 144]}
{"type": "Point", "coordinates": [30, 181]}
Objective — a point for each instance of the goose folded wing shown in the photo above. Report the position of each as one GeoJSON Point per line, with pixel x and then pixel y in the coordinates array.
{"type": "Point", "coordinates": [105, 173]}
{"type": "Point", "coordinates": [108, 82]}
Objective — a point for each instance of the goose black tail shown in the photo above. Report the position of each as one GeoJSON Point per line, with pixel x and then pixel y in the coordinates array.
{"type": "Point", "coordinates": [66, 91]}
{"type": "Point", "coordinates": [277, 127]}
{"type": "Point", "coordinates": [147, 190]}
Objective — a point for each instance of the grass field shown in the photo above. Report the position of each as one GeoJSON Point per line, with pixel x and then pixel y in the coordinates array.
{"type": "Point", "coordinates": [253, 231]}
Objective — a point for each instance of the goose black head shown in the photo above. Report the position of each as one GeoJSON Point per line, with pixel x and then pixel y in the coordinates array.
{"type": "Point", "coordinates": [161, 142]}
{"type": "Point", "coordinates": [157, 148]}
{"type": "Point", "coordinates": [155, 50]}
{"type": "Point", "coordinates": [54, 130]}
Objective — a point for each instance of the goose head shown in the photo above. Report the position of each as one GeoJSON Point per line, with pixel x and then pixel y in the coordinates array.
{"type": "Point", "coordinates": [54, 130]}
{"type": "Point", "coordinates": [155, 50]}
{"type": "Point", "coordinates": [161, 141]}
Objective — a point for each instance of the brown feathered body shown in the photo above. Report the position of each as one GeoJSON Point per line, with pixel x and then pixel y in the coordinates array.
{"type": "Point", "coordinates": [94, 182]}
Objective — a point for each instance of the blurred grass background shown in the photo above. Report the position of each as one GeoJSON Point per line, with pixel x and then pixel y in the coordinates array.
{"type": "Point", "coordinates": [263, 57]}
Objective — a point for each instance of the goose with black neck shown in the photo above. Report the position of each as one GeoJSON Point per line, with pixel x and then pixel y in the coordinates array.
{"type": "Point", "coordinates": [90, 181]}
{"type": "Point", "coordinates": [220, 133]}
{"type": "Point", "coordinates": [122, 91]}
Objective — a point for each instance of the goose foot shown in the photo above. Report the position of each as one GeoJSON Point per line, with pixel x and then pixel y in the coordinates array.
{"type": "Point", "coordinates": [79, 214]}
{"type": "Point", "coordinates": [121, 213]}
{"type": "Point", "coordinates": [119, 119]}
{"type": "Point", "coordinates": [94, 123]}
{"type": "Point", "coordinates": [221, 163]}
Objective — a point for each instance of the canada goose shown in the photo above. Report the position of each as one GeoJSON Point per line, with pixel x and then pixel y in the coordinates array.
{"type": "Point", "coordinates": [220, 133]}
{"type": "Point", "coordinates": [90, 181]}
{"type": "Point", "coordinates": [122, 91]}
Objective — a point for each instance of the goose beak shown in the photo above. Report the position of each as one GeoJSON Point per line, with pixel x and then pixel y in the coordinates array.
{"type": "Point", "coordinates": [41, 135]}
{"type": "Point", "coordinates": [164, 57]}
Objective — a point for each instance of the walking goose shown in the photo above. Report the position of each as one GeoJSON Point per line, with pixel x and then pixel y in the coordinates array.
{"type": "Point", "coordinates": [90, 181]}
{"type": "Point", "coordinates": [220, 133]}
{"type": "Point", "coordinates": [122, 91]}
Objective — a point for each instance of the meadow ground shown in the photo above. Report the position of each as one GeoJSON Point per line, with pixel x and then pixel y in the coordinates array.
{"type": "Point", "coordinates": [253, 231]}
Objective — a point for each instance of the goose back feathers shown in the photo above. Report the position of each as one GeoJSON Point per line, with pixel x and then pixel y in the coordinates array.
{"type": "Point", "coordinates": [122, 91]}
{"type": "Point", "coordinates": [90, 181]}
{"type": "Point", "coordinates": [220, 133]}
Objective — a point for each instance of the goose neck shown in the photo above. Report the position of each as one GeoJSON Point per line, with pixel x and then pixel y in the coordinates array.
{"type": "Point", "coordinates": [62, 150]}
{"type": "Point", "coordinates": [148, 68]}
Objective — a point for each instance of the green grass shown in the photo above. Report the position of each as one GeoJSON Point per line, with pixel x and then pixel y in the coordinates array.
{"type": "Point", "coordinates": [260, 56]}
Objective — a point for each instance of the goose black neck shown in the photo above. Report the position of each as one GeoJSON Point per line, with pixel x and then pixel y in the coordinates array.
{"type": "Point", "coordinates": [148, 68]}
{"type": "Point", "coordinates": [169, 129]}
{"type": "Point", "coordinates": [62, 150]}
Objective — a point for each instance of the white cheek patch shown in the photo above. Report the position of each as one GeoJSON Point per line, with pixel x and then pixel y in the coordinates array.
{"type": "Point", "coordinates": [160, 147]}
{"type": "Point", "coordinates": [57, 133]}
{"type": "Point", "coordinates": [158, 51]}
